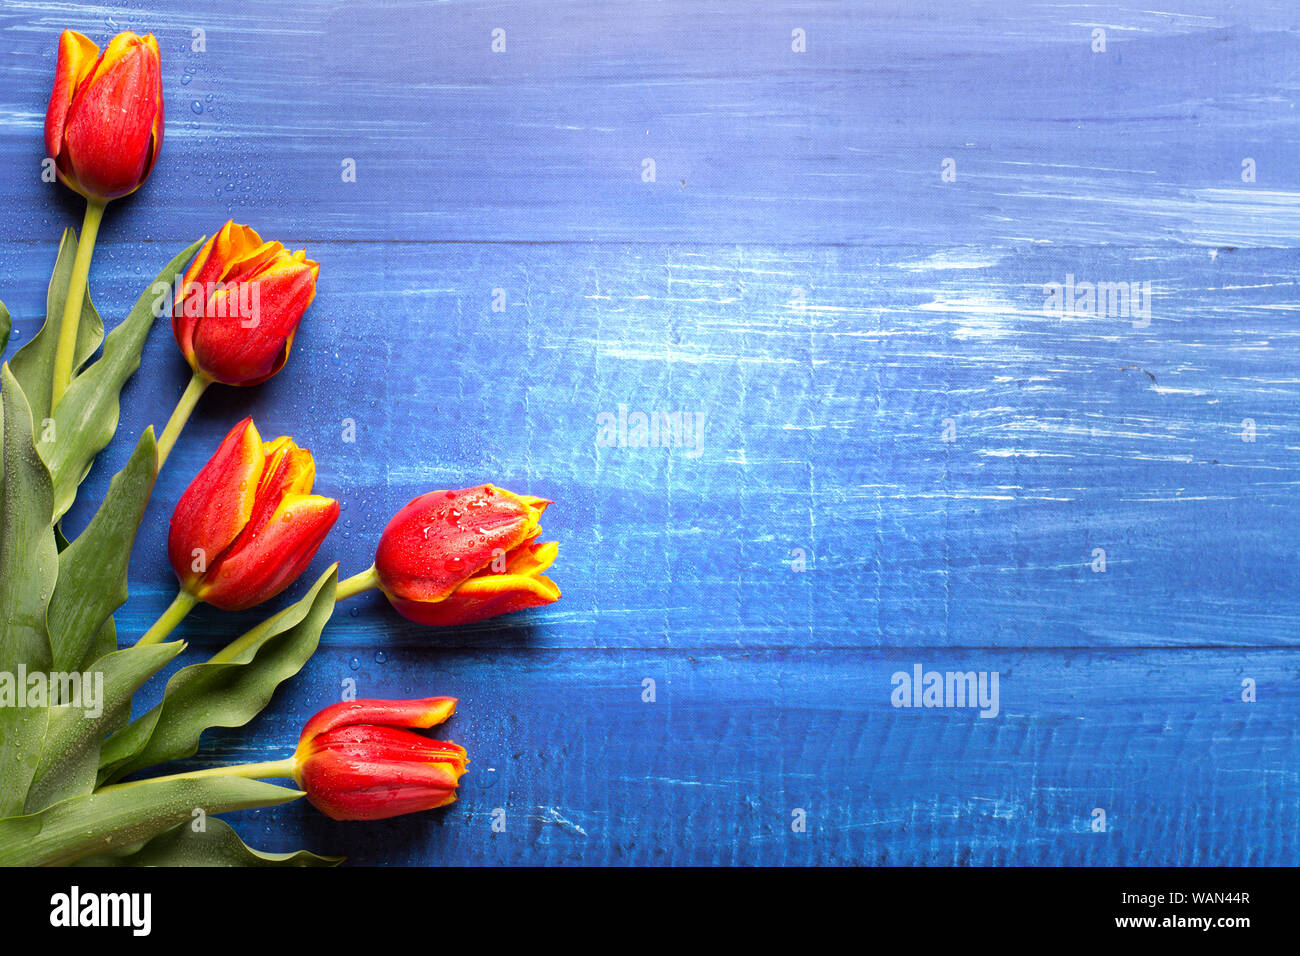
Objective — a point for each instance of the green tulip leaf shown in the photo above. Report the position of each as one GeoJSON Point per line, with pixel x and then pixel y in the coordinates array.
{"type": "Point", "coordinates": [28, 564]}
{"type": "Point", "coordinates": [102, 644]}
{"type": "Point", "coordinates": [227, 691]}
{"type": "Point", "coordinates": [70, 758]}
{"type": "Point", "coordinates": [217, 844]}
{"type": "Point", "coordinates": [33, 364]}
{"type": "Point", "coordinates": [6, 324]}
{"type": "Point", "coordinates": [93, 568]}
{"type": "Point", "coordinates": [126, 816]}
{"type": "Point", "coordinates": [87, 415]}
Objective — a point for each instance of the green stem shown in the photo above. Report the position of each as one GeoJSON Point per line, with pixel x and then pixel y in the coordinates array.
{"type": "Point", "coordinates": [174, 614]}
{"type": "Point", "coordinates": [181, 414]}
{"type": "Point", "coordinates": [367, 580]}
{"type": "Point", "coordinates": [66, 348]}
{"type": "Point", "coordinates": [253, 771]}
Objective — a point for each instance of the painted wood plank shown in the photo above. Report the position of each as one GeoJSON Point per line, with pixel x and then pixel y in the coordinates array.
{"type": "Point", "coordinates": [824, 425]}
{"type": "Point", "coordinates": [735, 742]}
{"type": "Point", "coordinates": [752, 141]}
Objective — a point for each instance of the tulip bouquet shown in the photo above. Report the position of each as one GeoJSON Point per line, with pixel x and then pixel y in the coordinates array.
{"type": "Point", "coordinates": [76, 782]}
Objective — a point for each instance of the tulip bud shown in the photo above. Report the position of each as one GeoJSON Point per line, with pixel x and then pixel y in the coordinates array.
{"type": "Point", "coordinates": [358, 761]}
{"type": "Point", "coordinates": [104, 124]}
{"type": "Point", "coordinates": [248, 525]}
{"type": "Point", "coordinates": [455, 557]}
{"type": "Point", "coordinates": [239, 306]}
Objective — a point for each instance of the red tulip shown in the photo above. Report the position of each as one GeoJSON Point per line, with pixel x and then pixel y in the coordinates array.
{"type": "Point", "coordinates": [359, 761]}
{"type": "Point", "coordinates": [455, 557]}
{"type": "Point", "coordinates": [104, 124]}
{"type": "Point", "coordinates": [239, 305]}
{"type": "Point", "coordinates": [248, 525]}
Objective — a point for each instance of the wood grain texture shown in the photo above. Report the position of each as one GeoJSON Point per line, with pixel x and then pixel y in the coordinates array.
{"type": "Point", "coordinates": [801, 276]}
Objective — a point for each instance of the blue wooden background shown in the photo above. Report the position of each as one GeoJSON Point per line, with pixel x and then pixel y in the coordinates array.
{"type": "Point", "coordinates": [800, 273]}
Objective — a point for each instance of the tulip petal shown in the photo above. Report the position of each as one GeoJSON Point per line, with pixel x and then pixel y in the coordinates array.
{"type": "Point", "coordinates": [190, 299]}
{"type": "Point", "coordinates": [246, 332]}
{"type": "Point", "coordinates": [533, 559]}
{"type": "Point", "coordinates": [266, 558]}
{"type": "Point", "coordinates": [289, 471]}
{"type": "Point", "coordinates": [159, 122]}
{"type": "Point", "coordinates": [481, 598]}
{"type": "Point", "coordinates": [535, 504]}
{"type": "Point", "coordinates": [529, 558]}
{"type": "Point", "coordinates": [77, 57]}
{"type": "Point", "coordinates": [441, 539]}
{"type": "Point", "coordinates": [241, 305]}
{"type": "Point", "coordinates": [421, 714]}
{"type": "Point", "coordinates": [375, 772]}
{"type": "Point", "coordinates": [217, 505]}
{"type": "Point", "coordinates": [220, 255]}
{"type": "Point", "coordinates": [382, 744]}
{"type": "Point", "coordinates": [215, 259]}
{"type": "Point", "coordinates": [108, 139]}
{"type": "Point", "coordinates": [265, 542]}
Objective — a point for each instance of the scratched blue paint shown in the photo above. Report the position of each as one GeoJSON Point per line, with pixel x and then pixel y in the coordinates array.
{"type": "Point", "coordinates": [801, 276]}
